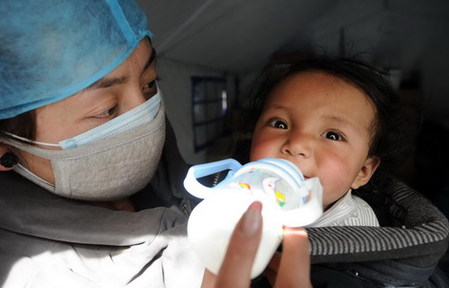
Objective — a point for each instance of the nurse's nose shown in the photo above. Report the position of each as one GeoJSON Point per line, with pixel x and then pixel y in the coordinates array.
{"type": "Point", "coordinates": [298, 145]}
{"type": "Point", "coordinates": [131, 99]}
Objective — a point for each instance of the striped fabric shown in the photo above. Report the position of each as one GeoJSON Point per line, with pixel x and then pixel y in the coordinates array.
{"type": "Point", "coordinates": [349, 210]}
{"type": "Point", "coordinates": [421, 231]}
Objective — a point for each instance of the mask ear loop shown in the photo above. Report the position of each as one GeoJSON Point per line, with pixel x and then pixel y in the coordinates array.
{"type": "Point", "coordinates": [30, 141]}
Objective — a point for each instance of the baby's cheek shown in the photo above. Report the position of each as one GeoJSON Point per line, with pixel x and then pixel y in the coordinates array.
{"type": "Point", "coordinates": [335, 172]}
{"type": "Point", "coordinates": [254, 155]}
{"type": "Point", "coordinates": [332, 191]}
{"type": "Point", "coordinates": [326, 200]}
{"type": "Point", "coordinates": [258, 150]}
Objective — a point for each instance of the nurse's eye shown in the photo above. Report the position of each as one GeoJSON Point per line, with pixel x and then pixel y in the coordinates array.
{"type": "Point", "coordinates": [149, 89]}
{"type": "Point", "coordinates": [150, 85]}
{"type": "Point", "coordinates": [108, 113]}
{"type": "Point", "coordinates": [278, 124]}
{"type": "Point", "coordinates": [332, 135]}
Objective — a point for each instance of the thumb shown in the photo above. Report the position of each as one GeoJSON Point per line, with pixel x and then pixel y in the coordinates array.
{"type": "Point", "coordinates": [294, 268]}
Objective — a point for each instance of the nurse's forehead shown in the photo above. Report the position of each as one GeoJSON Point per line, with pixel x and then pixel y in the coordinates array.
{"type": "Point", "coordinates": [108, 80]}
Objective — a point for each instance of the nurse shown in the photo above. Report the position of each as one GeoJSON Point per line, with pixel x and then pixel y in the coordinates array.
{"type": "Point", "coordinates": [91, 189]}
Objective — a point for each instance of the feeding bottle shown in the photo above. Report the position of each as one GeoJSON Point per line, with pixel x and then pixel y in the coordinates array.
{"type": "Point", "coordinates": [287, 199]}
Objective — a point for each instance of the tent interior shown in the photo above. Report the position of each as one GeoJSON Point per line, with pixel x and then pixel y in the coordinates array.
{"type": "Point", "coordinates": [209, 51]}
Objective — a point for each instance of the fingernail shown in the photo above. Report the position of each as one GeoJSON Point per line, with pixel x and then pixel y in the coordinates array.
{"type": "Point", "coordinates": [8, 160]}
{"type": "Point", "coordinates": [252, 219]}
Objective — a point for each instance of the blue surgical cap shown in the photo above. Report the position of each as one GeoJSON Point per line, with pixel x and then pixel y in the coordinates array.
{"type": "Point", "coordinates": [51, 49]}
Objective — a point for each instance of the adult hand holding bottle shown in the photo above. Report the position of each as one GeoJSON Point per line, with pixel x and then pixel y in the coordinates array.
{"type": "Point", "coordinates": [293, 268]}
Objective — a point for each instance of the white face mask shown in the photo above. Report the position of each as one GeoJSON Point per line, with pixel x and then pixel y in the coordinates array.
{"type": "Point", "coordinates": [118, 160]}
{"type": "Point", "coordinates": [141, 114]}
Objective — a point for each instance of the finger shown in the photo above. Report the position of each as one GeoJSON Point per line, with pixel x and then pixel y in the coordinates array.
{"type": "Point", "coordinates": [294, 268]}
{"type": "Point", "coordinates": [209, 279]}
{"type": "Point", "coordinates": [270, 276]}
{"type": "Point", "coordinates": [275, 261]}
{"type": "Point", "coordinates": [236, 268]}
{"type": "Point", "coordinates": [272, 269]}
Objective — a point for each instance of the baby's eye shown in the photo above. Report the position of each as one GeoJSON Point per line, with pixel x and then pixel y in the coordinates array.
{"type": "Point", "coordinates": [278, 124]}
{"type": "Point", "coordinates": [332, 135]}
{"type": "Point", "coordinates": [108, 113]}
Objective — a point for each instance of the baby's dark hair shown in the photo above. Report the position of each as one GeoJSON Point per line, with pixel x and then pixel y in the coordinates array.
{"type": "Point", "coordinates": [393, 127]}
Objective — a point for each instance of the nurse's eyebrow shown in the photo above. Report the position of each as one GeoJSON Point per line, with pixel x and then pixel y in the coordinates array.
{"type": "Point", "coordinates": [110, 81]}
{"type": "Point", "coordinates": [151, 60]}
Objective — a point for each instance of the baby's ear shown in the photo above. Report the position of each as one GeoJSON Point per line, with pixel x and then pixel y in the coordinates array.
{"type": "Point", "coordinates": [7, 159]}
{"type": "Point", "coordinates": [365, 173]}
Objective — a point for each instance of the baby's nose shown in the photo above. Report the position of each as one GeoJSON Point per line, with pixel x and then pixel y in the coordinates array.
{"type": "Point", "coordinates": [298, 145]}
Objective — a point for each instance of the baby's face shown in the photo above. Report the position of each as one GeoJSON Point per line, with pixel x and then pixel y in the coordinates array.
{"type": "Point", "coordinates": [323, 125]}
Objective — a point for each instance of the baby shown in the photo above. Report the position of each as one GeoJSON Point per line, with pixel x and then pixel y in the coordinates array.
{"type": "Point", "coordinates": [326, 117]}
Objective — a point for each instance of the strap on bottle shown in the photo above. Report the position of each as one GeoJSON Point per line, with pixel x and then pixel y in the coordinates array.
{"type": "Point", "coordinates": [198, 171]}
